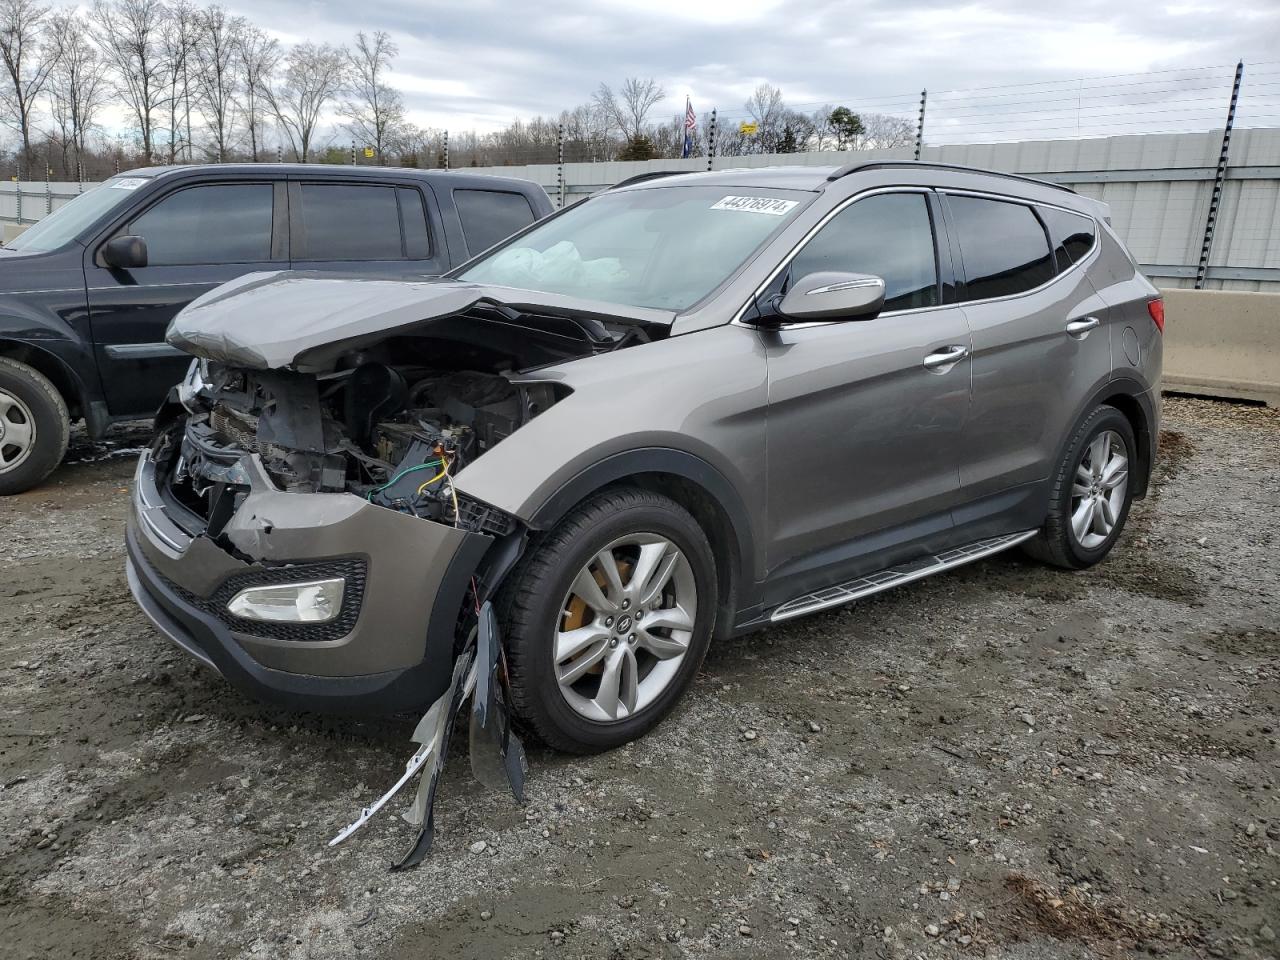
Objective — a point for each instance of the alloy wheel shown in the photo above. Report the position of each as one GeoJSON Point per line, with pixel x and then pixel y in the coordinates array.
{"type": "Point", "coordinates": [625, 626]}
{"type": "Point", "coordinates": [1099, 490]}
{"type": "Point", "coordinates": [17, 431]}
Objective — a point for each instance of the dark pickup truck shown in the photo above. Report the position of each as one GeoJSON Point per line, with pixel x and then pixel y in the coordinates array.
{"type": "Point", "coordinates": [87, 293]}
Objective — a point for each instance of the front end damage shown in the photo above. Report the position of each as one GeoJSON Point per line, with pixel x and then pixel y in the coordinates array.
{"type": "Point", "coordinates": [295, 524]}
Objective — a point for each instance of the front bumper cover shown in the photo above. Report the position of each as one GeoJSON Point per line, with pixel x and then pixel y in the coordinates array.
{"type": "Point", "coordinates": [414, 577]}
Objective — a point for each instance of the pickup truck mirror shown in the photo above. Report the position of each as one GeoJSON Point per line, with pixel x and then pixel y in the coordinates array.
{"type": "Point", "coordinates": [833, 295]}
{"type": "Point", "coordinates": [125, 253]}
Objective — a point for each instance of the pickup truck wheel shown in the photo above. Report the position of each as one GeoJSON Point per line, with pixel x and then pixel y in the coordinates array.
{"type": "Point", "coordinates": [34, 427]}
{"type": "Point", "coordinates": [608, 618]}
{"type": "Point", "coordinates": [1091, 493]}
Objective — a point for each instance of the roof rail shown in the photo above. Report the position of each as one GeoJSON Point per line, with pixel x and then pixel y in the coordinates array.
{"type": "Point", "coordinates": [642, 177]}
{"type": "Point", "coordinates": [934, 165]}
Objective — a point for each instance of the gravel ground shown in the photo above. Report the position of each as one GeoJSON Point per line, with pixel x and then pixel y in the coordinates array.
{"type": "Point", "coordinates": [1006, 761]}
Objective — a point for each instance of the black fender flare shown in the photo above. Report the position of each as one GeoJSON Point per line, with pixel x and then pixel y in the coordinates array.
{"type": "Point", "coordinates": [674, 462]}
{"type": "Point", "coordinates": [61, 358]}
{"type": "Point", "coordinates": [1142, 399]}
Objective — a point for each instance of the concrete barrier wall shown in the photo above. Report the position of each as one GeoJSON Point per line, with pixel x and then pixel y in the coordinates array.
{"type": "Point", "coordinates": [1222, 343]}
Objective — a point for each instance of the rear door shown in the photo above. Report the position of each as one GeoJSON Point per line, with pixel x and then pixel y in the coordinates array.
{"type": "Point", "coordinates": [388, 229]}
{"type": "Point", "coordinates": [866, 416]}
{"type": "Point", "coordinates": [198, 236]}
{"type": "Point", "coordinates": [1041, 341]}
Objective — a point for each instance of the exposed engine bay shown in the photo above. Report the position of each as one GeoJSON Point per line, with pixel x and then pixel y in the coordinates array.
{"type": "Point", "coordinates": [393, 423]}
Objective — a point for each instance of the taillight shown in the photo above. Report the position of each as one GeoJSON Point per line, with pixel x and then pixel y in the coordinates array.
{"type": "Point", "coordinates": [1156, 309]}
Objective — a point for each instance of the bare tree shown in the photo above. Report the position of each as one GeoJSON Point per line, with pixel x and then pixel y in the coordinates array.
{"type": "Point", "coordinates": [27, 61]}
{"type": "Point", "coordinates": [374, 110]}
{"type": "Point", "coordinates": [77, 87]}
{"type": "Point", "coordinates": [629, 108]}
{"type": "Point", "coordinates": [257, 56]}
{"type": "Point", "coordinates": [177, 44]}
{"type": "Point", "coordinates": [884, 130]}
{"type": "Point", "coordinates": [767, 109]}
{"type": "Point", "coordinates": [312, 79]}
{"type": "Point", "coordinates": [217, 42]}
{"type": "Point", "coordinates": [128, 33]}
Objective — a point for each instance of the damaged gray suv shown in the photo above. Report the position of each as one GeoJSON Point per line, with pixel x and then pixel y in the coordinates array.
{"type": "Point", "coordinates": [685, 408]}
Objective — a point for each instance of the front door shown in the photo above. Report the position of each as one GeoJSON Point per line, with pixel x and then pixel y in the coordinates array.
{"type": "Point", "coordinates": [197, 238]}
{"type": "Point", "coordinates": [865, 416]}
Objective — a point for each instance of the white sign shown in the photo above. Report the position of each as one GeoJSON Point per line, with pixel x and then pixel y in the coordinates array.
{"type": "Point", "coordinates": [770, 205]}
{"type": "Point", "coordinates": [128, 183]}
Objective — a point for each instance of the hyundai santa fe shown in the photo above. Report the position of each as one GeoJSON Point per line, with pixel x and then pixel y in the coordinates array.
{"type": "Point", "coordinates": [685, 408]}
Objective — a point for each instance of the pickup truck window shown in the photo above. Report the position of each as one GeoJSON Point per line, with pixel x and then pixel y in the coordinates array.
{"type": "Point", "coordinates": [491, 215]}
{"type": "Point", "coordinates": [216, 223]}
{"type": "Point", "coordinates": [69, 220]}
{"type": "Point", "coordinates": [345, 221]}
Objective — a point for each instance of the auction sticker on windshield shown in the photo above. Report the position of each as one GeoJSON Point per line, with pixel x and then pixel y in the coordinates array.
{"type": "Point", "coordinates": [128, 183]}
{"type": "Point", "coordinates": [770, 205]}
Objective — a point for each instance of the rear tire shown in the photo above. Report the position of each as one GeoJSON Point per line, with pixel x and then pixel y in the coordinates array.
{"type": "Point", "coordinates": [1091, 495]}
{"type": "Point", "coordinates": [34, 427]}
{"type": "Point", "coordinates": [591, 669]}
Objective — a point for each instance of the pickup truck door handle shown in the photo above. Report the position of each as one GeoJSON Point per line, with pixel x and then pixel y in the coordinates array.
{"type": "Point", "coordinates": [1080, 328]}
{"type": "Point", "coordinates": [943, 360]}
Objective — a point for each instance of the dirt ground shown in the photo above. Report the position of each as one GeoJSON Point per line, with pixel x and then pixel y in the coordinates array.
{"type": "Point", "coordinates": [1007, 761]}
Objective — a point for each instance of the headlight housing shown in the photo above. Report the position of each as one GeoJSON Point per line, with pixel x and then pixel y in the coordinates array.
{"type": "Point", "coordinates": [312, 601]}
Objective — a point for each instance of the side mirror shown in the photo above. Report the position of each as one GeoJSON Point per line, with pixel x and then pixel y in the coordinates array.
{"type": "Point", "coordinates": [833, 295]}
{"type": "Point", "coordinates": [125, 253]}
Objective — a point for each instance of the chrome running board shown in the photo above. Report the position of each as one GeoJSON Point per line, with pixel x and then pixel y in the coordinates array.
{"type": "Point", "coordinates": [896, 576]}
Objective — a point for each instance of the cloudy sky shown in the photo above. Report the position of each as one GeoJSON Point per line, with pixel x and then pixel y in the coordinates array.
{"type": "Point", "coordinates": [479, 63]}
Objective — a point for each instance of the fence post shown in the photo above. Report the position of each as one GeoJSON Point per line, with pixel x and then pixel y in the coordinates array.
{"type": "Point", "coordinates": [924, 95]}
{"type": "Point", "coordinates": [353, 153]}
{"type": "Point", "coordinates": [711, 140]}
{"type": "Point", "coordinates": [279, 153]}
{"type": "Point", "coordinates": [560, 166]}
{"type": "Point", "coordinates": [48, 189]}
{"type": "Point", "coordinates": [446, 149]}
{"type": "Point", "coordinates": [1215, 199]}
{"type": "Point", "coordinates": [19, 185]}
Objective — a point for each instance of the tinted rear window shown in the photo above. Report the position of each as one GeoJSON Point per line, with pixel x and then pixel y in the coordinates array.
{"type": "Point", "coordinates": [350, 222]}
{"type": "Point", "coordinates": [489, 216]}
{"type": "Point", "coordinates": [1003, 246]}
{"type": "Point", "coordinates": [1072, 235]}
{"type": "Point", "coordinates": [217, 223]}
{"type": "Point", "coordinates": [413, 215]}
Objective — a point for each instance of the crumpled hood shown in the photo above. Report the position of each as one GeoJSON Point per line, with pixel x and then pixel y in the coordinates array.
{"type": "Point", "coordinates": [287, 319]}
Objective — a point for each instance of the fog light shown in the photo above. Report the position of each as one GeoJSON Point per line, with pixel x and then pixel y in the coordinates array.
{"type": "Point", "coordinates": [316, 601]}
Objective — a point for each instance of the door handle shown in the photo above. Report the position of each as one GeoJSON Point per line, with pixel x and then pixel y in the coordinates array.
{"type": "Point", "coordinates": [1080, 328]}
{"type": "Point", "coordinates": [943, 360]}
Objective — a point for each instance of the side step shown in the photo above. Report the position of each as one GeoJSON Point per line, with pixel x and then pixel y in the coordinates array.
{"type": "Point", "coordinates": [896, 576]}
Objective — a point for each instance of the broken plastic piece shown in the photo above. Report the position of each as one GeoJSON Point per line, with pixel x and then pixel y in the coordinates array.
{"type": "Point", "coordinates": [497, 755]}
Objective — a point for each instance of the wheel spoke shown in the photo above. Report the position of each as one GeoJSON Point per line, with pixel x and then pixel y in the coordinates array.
{"type": "Point", "coordinates": [17, 435]}
{"type": "Point", "coordinates": [1108, 514]}
{"type": "Point", "coordinates": [1079, 490]}
{"type": "Point", "coordinates": [1116, 472]}
{"type": "Point", "coordinates": [675, 618]}
{"type": "Point", "coordinates": [585, 586]}
{"type": "Point", "coordinates": [571, 643]}
{"type": "Point", "coordinates": [570, 675]}
{"type": "Point", "coordinates": [1082, 519]}
{"type": "Point", "coordinates": [653, 571]}
{"type": "Point", "coordinates": [1098, 455]}
{"type": "Point", "coordinates": [618, 684]}
{"type": "Point", "coordinates": [1100, 525]}
{"type": "Point", "coordinates": [608, 565]}
{"type": "Point", "coordinates": [664, 648]}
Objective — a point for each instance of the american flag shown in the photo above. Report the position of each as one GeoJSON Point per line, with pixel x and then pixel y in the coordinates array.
{"type": "Point", "coordinates": [690, 125]}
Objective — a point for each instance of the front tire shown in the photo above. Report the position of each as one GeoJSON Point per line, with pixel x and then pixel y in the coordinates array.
{"type": "Point", "coordinates": [34, 427]}
{"type": "Point", "coordinates": [1092, 493]}
{"type": "Point", "coordinates": [607, 619]}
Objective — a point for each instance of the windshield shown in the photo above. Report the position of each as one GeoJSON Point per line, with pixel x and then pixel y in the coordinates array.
{"type": "Point", "coordinates": [69, 221]}
{"type": "Point", "coordinates": [661, 247]}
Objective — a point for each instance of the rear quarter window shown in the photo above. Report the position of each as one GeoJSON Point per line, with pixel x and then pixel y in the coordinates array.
{"type": "Point", "coordinates": [1071, 234]}
{"type": "Point", "coordinates": [490, 216]}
